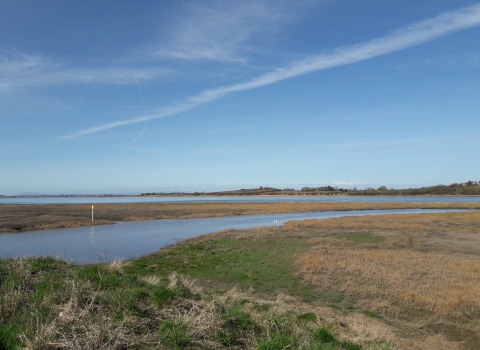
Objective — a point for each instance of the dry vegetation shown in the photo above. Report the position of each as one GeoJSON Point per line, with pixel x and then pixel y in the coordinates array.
{"type": "Point", "coordinates": [25, 217]}
{"type": "Point", "coordinates": [49, 304]}
{"type": "Point", "coordinates": [402, 266]}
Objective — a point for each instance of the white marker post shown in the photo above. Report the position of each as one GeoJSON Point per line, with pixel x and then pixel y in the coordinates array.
{"type": "Point", "coordinates": [275, 222]}
{"type": "Point", "coordinates": [92, 213]}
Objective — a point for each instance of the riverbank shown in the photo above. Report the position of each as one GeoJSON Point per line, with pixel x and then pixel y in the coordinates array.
{"type": "Point", "coordinates": [29, 217]}
{"type": "Point", "coordinates": [372, 282]}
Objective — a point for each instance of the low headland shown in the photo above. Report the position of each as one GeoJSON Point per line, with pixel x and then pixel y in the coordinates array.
{"type": "Point", "coordinates": [404, 281]}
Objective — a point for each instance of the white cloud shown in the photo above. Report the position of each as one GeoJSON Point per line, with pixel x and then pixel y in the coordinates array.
{"type": "Point", "coordinates": [21, 70]}
{"type": "Point", "coordinates": [218, 29]}
{"type": "Point", "coordinates": [401, 39]}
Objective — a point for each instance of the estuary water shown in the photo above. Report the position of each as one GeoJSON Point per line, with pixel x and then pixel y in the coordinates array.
{"type": "Point", "coordinates": [233, 199]}
{"type": "Point", "coordinates": [126, 240]}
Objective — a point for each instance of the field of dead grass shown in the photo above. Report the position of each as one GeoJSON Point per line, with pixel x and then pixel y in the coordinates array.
{"type": "Point", "coordinates": [429, 260]}
{"type": "Point", "coordinates": [27, 217]}
{"type": "Point", "coordinates": [413, 267]}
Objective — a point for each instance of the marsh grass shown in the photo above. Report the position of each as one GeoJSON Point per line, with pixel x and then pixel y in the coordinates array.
{"type": "Point", "coordinates": [264, 267]}
{"type": "Point", "coordinates": [408, 259]}
{"type": "Point", "coordinates": [47, 303]}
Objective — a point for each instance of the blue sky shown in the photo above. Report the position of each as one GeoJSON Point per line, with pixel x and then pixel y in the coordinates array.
{"type": "Point", "coordinates": [134, 96]}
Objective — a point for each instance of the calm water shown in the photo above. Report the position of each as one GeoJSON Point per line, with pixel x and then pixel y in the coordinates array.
{"type": "Point", "coordinates": [235, 199]}
{"type": "Point", "coordinates": [126, 240]}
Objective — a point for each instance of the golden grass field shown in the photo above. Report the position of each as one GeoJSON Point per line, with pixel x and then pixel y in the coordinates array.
{"type": "Point", "coordinates": [27, 217]}
{"type": "Point", "coordinates": [423, 268]}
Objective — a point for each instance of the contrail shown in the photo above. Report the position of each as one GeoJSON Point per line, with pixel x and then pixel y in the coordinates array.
{"type": "Point", "coordinates": [136, 79]}
{"type": "Point", "coordinates": [415, 34]}
{"type": "Point", "coordinates": [143, 105]}
{"type": "Point", "coordinates": [232, 142]}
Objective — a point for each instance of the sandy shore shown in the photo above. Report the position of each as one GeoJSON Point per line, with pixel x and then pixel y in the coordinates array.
{"type": "Point", "coordinates": [28, 217]}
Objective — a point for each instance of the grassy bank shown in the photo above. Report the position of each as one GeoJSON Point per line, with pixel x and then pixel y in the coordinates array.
{"type": "Point", "coordinates": [372, 282]}
{"type": "Point", "coordinates": [49, 304]}
{"type": "Point", "coordinates": [27, 217]}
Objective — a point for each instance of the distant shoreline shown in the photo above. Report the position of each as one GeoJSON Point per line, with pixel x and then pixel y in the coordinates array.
{"type": "Point", "coordinates": [240, 195]}
{"type": "Point", "coordinates": [462, 189]}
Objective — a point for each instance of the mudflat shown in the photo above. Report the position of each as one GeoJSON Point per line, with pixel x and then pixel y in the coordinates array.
{"type": "Point", "coordinates": [28, 217]}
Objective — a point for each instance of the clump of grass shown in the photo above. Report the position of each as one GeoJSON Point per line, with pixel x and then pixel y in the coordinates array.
{"type": "Point", "coordinates": [324, 339]}
{"type": "Point", "coordinates": [276, 341]}
{"type": "Point", "coordinates": [262, 307]}
{"type": "Point", "coordinates": [309, 316]}
{"type": "Point", "coordinates": [174, 334]}
{"type": "Point", "coordinates": [324, 336]}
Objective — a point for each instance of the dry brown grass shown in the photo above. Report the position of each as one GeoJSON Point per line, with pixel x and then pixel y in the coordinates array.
{"type": "Point", "coordinates": [15, 217]}
{"type": "Point", "coordinates": [442, 283]}
{"type": "Point", "coordinates": [420, 268]}
{"type": "Point", "coordinates": [429, 261]}
{"type": "Point", "coordinates": [464, 222]}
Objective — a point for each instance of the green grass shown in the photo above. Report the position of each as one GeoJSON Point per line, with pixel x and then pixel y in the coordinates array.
{"type": "Point", "coordinates": [309, 316]}
{"type": "Point", "coordinates": [262, 307]}
{"type": "Point", "coordinates": [265, 265]}
{"type": "Point", "coordinates": [276, 341]}
{"type": "Point", "coordinates": [100, 302]}
{"type": "Point", "coordinates": [174, 334]}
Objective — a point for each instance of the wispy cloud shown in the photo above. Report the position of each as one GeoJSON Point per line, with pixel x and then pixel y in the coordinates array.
{"type": "Point", "coordinates": [218, 30]}
{"type": "Point", "coordinates": [149, 150]}
{"type": "Point", "coordinates": [21, 70]}
{"type": "Point", "coordinates": [234, 141]}
{"type": "Point", "coordinates": [400, 39]}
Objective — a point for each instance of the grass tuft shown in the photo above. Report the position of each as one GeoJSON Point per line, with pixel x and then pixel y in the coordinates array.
{"type": "Point", "coordinates": [174, 334]}
{"type": "Point", "coordinates": [276, 341]}
{"type": "Point", "coordinates": [309, 316]}
{"type": "Point", "coordinates": [324, 336]}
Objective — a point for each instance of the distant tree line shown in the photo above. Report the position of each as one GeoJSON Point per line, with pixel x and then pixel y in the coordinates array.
{"type": "Point", "coordinates": [324, 188]}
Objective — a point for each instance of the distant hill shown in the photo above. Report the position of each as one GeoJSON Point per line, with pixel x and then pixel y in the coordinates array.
{"type": "Point", "coordinates": [456, 189]}
{"type": "Point", "coordinates": [27, 194]}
